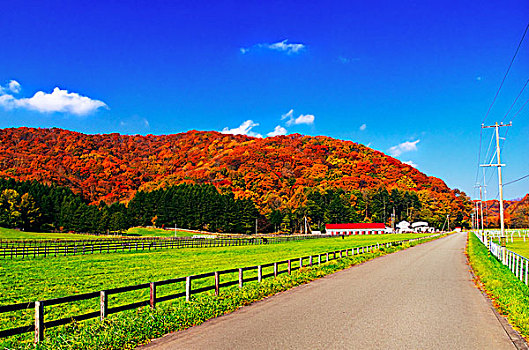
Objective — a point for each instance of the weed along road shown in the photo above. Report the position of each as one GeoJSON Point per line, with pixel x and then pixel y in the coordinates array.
{"type": "Point", "coordinates": [419, 298]}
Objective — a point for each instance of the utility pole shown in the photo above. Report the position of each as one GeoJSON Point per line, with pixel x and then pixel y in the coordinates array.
{"type": "Point", "coordinates": [480, 208]}
{"type": "Point", "coordinates": [500, 184]}
{"type": "Point", "coordinates": [485, 193]}
{"type": "Point", "coordinates": [393, 220]}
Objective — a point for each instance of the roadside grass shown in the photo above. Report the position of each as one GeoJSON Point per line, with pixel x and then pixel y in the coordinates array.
{"type": "Point", "coordinates": [42, 278]}
{"type": "Point", "coordinates": [128, 329]}
{"type": "Point", "coordinates": [509, 295]}
{"type": "Point", "coordinates": [157, 232]}
{"type": "Point", "coordinates": [11, 234]}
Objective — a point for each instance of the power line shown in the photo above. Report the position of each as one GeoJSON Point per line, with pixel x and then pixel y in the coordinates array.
{"type": "Point", "coordinates": [496, 96]}
{"type": "Point", "coordinates": [506, 73]}
{"type": "Point", "coordinates": [525, 103]}
{"type": "Point", "coordinates": [515, 100]}
{"type": "Point", "coordinates": [511, 182]}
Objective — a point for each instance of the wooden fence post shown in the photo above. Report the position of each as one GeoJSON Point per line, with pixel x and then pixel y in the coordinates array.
{"type": "Point", "coordinates": [327, 257]}
{"type": "Point", "coordinates": [103, 305]}
{"type": "Point", "coordinates": [39, 321]}
{"type": "Point", "coordinates": [217, 282]}
{"type": "Point", "coordinates": [152, 294]}
{"type": "Point", "coordinates": [241, 278]}
{"type": "Point", "coordinates": [188, 288]}
{"type": "Point", "coordinates": [310, 260]}
{"type": "Point", "coordinates": [259, 273]}
{"type": "Point", "coordinates": [275, 269]}
{"type": "Point", "coordinates": [289, 266]}
{"type": "Point", "coordinates": [319, 259]}
{"type": "Point", "coordinates": [300, 263]}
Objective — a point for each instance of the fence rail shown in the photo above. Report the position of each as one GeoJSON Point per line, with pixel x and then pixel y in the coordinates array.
{"type": "Point", "coordinates": [10, 249]}
{"type": "Point", "coordinates": [279, 267]}
{"type": "Point", "coordinates": [518, 264]}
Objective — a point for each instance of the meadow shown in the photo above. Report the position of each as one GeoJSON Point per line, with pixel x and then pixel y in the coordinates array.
{"type": "Point", "coordinates": [43, 278]}
{"type": "Point", "coordinates": [519, 246]}
{"type": "Point", "coordinates": [158, 232]}
{"type": "Point", "coordinates": [11, 234]}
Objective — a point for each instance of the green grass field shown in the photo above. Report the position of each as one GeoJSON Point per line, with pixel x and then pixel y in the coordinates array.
{"type": "Point", "coordinates": [516, 243]}
{"type": "Point", "coordinates": [158, 232]}
{"type": "Point", "coordinates": [7, 233]}
{"type": "Point", "coordinates": [44, 278]}
{"type": "Point", "coordinates": [519, 246]}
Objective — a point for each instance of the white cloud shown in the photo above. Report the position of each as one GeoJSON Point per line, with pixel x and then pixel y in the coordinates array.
{"type": "Point", "coordinates": [288, 115]}
{"type": "Point", "coordinates": [407, 146]}
{"type": "Point", "coordinates": [279, 130]}
{"type": "Point", "coordinates": [57, 101]}
{"type": "Point", "coordinates": [410, 163]}
{"type": "Point", "coordinates": [363, 127]}
{"type": "Point", "coordinates": [280, 46]}
{"type": "Point", "coordinates": [244, 129]}
{"type": "Point", "coordinates": [13, 86]}
{"type": "Point", "coordinates": [285, 47]}
{"type": "Point", "coordinates": [302, 119]}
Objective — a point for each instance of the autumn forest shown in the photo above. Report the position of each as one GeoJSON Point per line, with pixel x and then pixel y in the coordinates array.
{"type": "Point", "coordinates": [213, 181]}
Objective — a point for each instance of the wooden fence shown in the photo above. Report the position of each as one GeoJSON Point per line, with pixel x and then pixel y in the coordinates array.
{"type": "Point", "coordinates": [279, 267]}
{"type": "Point", "coordinates": [10, 249]}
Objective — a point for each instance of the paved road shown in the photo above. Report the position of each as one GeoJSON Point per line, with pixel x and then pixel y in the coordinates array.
{"type": "Point", "coordinates": [420, 298]}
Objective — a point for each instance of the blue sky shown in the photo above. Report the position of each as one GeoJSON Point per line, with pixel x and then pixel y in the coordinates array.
{"type": "Point", "coordinates": [413, 79]}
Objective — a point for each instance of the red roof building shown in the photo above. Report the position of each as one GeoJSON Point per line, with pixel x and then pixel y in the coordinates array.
{"type": "Point", "coordinates": [355, 229]}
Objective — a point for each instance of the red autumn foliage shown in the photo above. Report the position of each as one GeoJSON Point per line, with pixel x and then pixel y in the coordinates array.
{"type": "Point", "coordinates": [270, 170]}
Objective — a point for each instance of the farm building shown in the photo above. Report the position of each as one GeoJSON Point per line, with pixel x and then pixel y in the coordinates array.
{"type": "Point", "coordinates": [421, 226]}
{"type": "Point", "coordinates": [355, 229]}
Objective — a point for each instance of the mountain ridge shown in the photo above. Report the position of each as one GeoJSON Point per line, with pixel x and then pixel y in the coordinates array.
{"type": "Point", "coordinates": [274, 172]}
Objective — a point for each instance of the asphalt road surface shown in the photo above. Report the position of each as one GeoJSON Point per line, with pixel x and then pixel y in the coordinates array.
{"type": "Point", "coordinates": [419, 298]}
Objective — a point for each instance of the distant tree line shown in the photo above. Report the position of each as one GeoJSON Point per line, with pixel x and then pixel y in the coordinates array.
{"type": "Point", "coordinates": [193, 207]}
{"type": "Point", "coordinates": [30, 205]}
{"type": "Point", "coordinates": [372, 205]}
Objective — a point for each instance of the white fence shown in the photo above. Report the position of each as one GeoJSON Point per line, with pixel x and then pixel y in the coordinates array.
{"type": "Point", "coordinates": [519, 265]}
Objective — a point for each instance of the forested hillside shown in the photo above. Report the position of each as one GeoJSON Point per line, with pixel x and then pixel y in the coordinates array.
{"type": "Point", "coordinates": [516, 213]}
{"type": "Point", "coordinates": [287, 177]}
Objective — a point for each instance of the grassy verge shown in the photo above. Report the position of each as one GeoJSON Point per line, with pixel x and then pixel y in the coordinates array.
{"type": "Point", "coordinates": [509, 295]}
{"type": "Point", "coordinates": [128, 329]}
